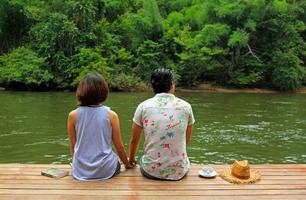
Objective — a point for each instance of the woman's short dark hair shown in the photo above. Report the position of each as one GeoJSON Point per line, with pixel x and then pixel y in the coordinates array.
{"type": "Point", "coordinates": [161, 80]}
{"type": "Point", "coordinates": [92, 90]}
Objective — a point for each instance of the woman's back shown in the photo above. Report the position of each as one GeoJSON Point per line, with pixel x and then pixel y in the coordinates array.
{"type": "Point", "coordinates": [93, 156]}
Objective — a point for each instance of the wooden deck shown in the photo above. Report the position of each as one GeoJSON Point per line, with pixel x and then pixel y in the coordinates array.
{"type": "Point", "coordinates": [23, 181]}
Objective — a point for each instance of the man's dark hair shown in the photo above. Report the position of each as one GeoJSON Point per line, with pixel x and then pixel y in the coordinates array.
{"type": "Point", "coordinates": [92, 90]}
{"type": "Point", "coordinates": [161, 80]}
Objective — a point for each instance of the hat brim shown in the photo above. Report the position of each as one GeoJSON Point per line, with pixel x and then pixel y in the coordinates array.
{"type": "Point", "coordinates": [227, 175]}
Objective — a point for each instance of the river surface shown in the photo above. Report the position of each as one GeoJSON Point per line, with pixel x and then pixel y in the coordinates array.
{"type": "Point", "coordinates": [263, 128]}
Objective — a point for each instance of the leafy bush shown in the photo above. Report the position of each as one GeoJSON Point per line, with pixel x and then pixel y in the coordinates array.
{"type": "Point", "coordinates": [89, 61]}
{"type": "Point", "coordinates": [149, 58]}
{"type": "Point", "coordinates": [288, 71]}
{"type": "Point", "coordinates": [23, 66]}
{"type": "Point", "coordinates": [241, 78]}
{"type": "Point", "coordinates": [123, 82]}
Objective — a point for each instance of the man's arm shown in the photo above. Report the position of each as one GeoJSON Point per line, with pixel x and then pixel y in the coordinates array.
{"type": "Point", "coordinates": [188, 133]}
{"type": "Point", "coordinates": [134, 142]}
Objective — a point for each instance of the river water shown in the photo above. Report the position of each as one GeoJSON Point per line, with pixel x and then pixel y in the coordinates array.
{"type": "Point", "coordinates": [263, 128]}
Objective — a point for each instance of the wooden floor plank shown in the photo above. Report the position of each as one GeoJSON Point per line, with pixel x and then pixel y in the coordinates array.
{"type": "Point", "coordinates": [97, 186]}
{"type": "Point", "coordinates": [134, 197]}
{"type": "Point", "coordinates": [29, 168]}
{"type": "Point", "coordinates": [192, 172]}
{"type": "Point", "coordinates": [152, 193]}
{"type": "Point", "coordinates": [189, 178]}
{"type": "Point", "coordinates": [260, 166]}
{"type": "Point", "coordinates": [23, 181]}
{"type": "Point", "coordinates": [149, 183]}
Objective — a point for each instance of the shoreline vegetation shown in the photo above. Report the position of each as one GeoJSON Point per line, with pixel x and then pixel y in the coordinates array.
{"type": "Point", "coordinates": [52, 45]}
{"type": "Point", "coordinates": [227, 89]}
{"type": "Point", "coordinates": [206, 88]}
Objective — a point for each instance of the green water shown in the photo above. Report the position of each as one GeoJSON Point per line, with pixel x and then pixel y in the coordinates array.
{"type": "Point", "coordinates": [263, 128]}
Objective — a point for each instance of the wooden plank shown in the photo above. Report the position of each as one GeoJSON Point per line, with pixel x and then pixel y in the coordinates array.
{"type": "Point", "coordinates": [188, 178]}
{"type": "Point", "coordinates": [152, 193]}
{"type": "Point", "coordinates": [38, 169]}
{"type": "Point", "coordinates": [100, 186]}
{"type": "Point", "coordinates": [128, 173]}
{"type": "Point", "coordinates": [192, 168]}
{"type": "Point", "coordinates": [259, 166]}
{"type": "Point", "coordinates": [150, 182]}
{"type": "Point", "coordinates": [23, 181]}
{"type": "Point", "coordinates": [30, 169]}
{"type": "Point", "coordinates": [138, 197]}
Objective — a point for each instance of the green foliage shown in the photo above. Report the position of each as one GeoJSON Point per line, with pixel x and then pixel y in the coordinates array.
{"type": "Point", "coordinates": [23, 67]}
{"type": "Point", "coordinates": [133, 29]}
{"type": "Point", "coordinates": [212, 34]}
{"type": "Point", "coordinates": [243, 78]}
{"type": "Point", "coordinates": [14, 25]}
{"type": "Point", "coordinates": [151, 12]}
{"type": "Point", "coordinates": [128, 83]}
{"type": "Point", "coordinates": [196, 16]}
{"type": "Point", "coordinates": [234, 42]}
{"type": "Point", "coordinates": [288, 73]}
{"type": "Point", "coordinates": [121, 61]}
{"type": "Point", "coordinates": [56, 39]}
{"type": "Point", "coordinates": [231, 9]}
{"type": "Point", "coordinates": [89, 61]}
{"type": "Point", "coordinates": [239, 38]}
{"type": "Point", "coordinates": [148, 59]}
{"type": "Point", "coordinates": [83, 14]}
{"type": "Point", "coordinates": [55, 35]}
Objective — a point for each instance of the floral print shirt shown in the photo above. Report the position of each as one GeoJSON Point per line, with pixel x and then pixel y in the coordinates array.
{"type": "Point", "coordinates": [164, 119]}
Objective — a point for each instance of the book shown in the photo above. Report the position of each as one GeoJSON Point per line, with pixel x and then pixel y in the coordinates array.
{"type": "Point", "coordinates": [54, 173]}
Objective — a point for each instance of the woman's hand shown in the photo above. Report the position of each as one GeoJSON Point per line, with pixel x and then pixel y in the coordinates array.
{"type": "Point", "coordinates": [132, 161]}
{"type": "Point", "coordinates": [128, 166]}
{"type": "Point", "coordinates": [114, 119]}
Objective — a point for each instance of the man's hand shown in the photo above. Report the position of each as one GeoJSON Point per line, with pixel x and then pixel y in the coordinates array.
{"type": "Point", "coordinates": [133, 161]}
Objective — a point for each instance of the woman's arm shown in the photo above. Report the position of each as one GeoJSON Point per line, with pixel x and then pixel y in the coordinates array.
{"type": "Point", "coordinates": [188, 133]}
{"type": "Point", "coordinates": [116, 135]}
{"type": "Point", "coordinates": [71, 130]}
{"type": "Point", "coordinates": [134, 142]}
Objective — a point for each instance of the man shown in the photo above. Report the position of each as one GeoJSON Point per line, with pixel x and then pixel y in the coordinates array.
{"type": "Point", "coordinates": [166, 122]}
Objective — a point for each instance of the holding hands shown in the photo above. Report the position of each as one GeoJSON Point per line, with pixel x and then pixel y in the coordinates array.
{"type": "Point", "coordinates": [132, 161]}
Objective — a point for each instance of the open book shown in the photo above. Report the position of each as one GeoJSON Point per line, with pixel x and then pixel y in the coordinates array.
{"type": "Point", "coordinates": [54, 173]}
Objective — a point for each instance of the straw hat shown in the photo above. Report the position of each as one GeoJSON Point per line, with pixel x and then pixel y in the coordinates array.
{"type": "Point", "coordinates": [240, 173]}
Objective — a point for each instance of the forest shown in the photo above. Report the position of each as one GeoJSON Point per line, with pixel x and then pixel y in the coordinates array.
{"type": "Point", "coordinates": [52, 44]}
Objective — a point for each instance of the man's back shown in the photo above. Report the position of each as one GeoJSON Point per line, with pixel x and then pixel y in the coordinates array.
{"type": "Point", "coordinates": [164, 119]}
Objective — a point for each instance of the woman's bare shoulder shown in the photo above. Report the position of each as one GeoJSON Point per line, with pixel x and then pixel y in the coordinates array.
{"type": "Point", "coordinates": [72, 114]}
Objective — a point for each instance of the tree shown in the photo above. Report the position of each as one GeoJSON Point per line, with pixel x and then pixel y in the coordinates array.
{"type": "Point", "coordinates": [14, 25]}
{"type": "Point", "coordinates": [83, 14]}
{"type": "Point", "coordinates": [148, 59]}
{"type": "Point", "coordinates": [151, 12]}
{"type": "Point", "coordinates": [56, 39]}
{"type": "Point", "coordinates": [88, 61]}
{"type": "Point", "coordinates": [289, 72]}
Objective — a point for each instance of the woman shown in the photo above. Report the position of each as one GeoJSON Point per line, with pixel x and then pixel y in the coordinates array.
{"type": "Point", "coordinates": [92, 129]}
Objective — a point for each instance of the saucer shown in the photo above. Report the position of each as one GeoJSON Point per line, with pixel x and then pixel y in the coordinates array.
{"type": "Point", "coordinates": [208, 173]}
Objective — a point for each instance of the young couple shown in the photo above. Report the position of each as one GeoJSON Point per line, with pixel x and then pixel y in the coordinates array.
{"type": "Point", "coordinates": [165, 120]}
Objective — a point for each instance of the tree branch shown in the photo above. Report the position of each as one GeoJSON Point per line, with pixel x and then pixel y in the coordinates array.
{"type": "Point", "coordinates": [251, 52]}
